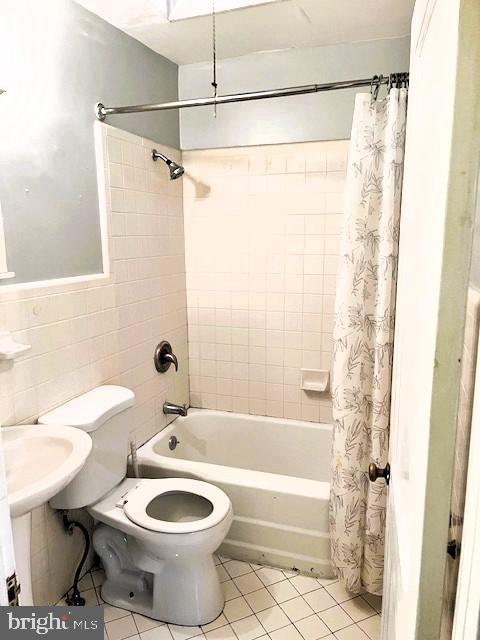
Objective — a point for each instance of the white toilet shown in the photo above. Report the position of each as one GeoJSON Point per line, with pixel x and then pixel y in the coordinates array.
{"type": "Point", "coordinates": [157, 537]}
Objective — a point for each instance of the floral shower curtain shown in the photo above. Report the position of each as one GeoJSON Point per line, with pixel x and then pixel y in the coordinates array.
{"type": "Point", "coordinates": [363, 338]}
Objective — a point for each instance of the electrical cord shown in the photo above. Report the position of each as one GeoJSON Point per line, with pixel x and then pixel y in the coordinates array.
{"type": "Point", "coordinates": [73, 597]}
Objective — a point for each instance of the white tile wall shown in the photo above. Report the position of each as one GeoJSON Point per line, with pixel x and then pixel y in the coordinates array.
{"type": "Point", "coordinates": [104, 331]}
{"type": "Point", "coordinates": [262, 227]}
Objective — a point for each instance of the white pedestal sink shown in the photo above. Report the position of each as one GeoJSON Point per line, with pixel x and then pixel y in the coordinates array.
{"type": "Point", "coordinates": [40, 461]}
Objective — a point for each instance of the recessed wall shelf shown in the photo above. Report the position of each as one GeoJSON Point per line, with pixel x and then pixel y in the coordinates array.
{"type": "Point", "coordinates": [315, 380]}
{"type": "Point", "coordinates": [9, 349]}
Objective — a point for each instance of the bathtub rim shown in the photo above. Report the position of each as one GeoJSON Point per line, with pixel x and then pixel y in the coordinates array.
{"type": "Point", "coordinates": [251, 416]}
{"type": "Point", "coordinates": [240, 476]}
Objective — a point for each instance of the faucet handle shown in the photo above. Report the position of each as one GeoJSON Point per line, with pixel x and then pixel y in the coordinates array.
{"type": "Point", "coordinates": [164, 357]}
{"type": "Point", "coordinates": [172, 358]}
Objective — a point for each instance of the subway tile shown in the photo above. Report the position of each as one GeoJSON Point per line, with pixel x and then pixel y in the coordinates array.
{"type": "Point", "coordinates": [114, 150]}
{"type": "Point", "coordinates": [230, 589]}
{"type": "Point", "coordinates": [316, 161]}
{"type": "Point", "coordinates": [312, 628]}
{"type": "Point", "coordinates": [296, 609]}
{"type": "Point", "coordinates": [304, 584]}
{"type": "Point", "coordinates": [296, 163]}
{"type": "Point", "coordinates": [371, 626]}
{"type": "Point", "coordinates": [335, 618]}
{"type": "Point", "coordinates": [270, 576]}
{"type": "Point", "coordinates": [358, 609]}
{"type": "Point", "coordinates": [248, 628]}
{"type": "Point", "coordinates": [260, 600]}
{"type": "Point", "coordinates": [276, 164]}
{"type": "Point", "coordinates": [237, 609]}
{"type": "Point", "coordinates": [273, 618]}
{"type": "Point", "coordinates": [319, 599]}
{"type": "Point", "coordinates": [223, 633]}
{"type": "Point", "coordinates": [121, 628]}
{"type": "Point", "coordinates": [236, 568]}
{"type": "Point", "coordinates": [351, 633]}
{"type": "Point", "coordinates": [161, 632]}
{"type": "Point", "coordinates": [286, 633]}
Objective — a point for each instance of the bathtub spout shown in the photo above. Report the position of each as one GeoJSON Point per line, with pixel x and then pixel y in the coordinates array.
{"type": "Point", "coordinates": [171, 409]}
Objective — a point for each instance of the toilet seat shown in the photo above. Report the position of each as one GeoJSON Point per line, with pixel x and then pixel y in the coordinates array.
{"type": "Point", "coordinates": [138, 499]}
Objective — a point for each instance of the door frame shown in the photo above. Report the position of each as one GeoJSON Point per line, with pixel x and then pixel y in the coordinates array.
{"type": "Point", "coordinates": [467, 605]}
{"type": "Point", "coordinates": [455, 274]}
{"type": "Point", "coordinates": [456, 119]}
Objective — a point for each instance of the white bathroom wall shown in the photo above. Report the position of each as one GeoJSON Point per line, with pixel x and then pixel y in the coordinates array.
{"type": "Point", "coordinates": [47, 155]}
{"type": "Point", "coordinates": [262, 229]}
{"type": "Point", "coordinates": [303, 118]}
{"type": "Point", "coordinates": [104, 331]}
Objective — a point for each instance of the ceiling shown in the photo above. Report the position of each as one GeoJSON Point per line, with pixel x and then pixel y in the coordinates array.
{"type": "Point", "coordinates": [282, 24]}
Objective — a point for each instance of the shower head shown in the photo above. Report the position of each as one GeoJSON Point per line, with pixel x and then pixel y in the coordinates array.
{"type": "Point", "coordinates": [176, 171]}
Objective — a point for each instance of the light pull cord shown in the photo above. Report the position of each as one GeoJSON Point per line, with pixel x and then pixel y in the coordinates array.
{"type": "Point", "coordinates": [214, 57]}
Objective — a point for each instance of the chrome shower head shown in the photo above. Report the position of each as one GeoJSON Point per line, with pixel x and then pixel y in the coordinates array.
{"type": "Point", "coordinates": [176, 170]}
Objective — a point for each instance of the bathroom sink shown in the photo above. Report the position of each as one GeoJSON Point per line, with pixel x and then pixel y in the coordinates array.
{"type": "Point", "coordinates": [40, 461]}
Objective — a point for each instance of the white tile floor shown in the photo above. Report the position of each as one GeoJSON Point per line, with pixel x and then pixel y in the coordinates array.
{"type": "Point", "coordinates": [261, 603]}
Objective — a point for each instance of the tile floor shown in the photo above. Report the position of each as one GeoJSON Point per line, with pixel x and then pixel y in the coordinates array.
{"type": "Point", "coordinates": [261, 603]}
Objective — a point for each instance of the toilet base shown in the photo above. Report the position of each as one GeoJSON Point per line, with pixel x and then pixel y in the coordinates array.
{"type": "Point", "coordinates": [180, 591]}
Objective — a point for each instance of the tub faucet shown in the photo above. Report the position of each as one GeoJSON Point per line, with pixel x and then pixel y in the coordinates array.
{"type": "Point", "coordinates": [171, 409]}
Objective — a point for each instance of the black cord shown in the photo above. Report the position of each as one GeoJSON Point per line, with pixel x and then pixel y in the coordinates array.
{"type": "Point", "coordinates": [73, 597]}
{"type": "Point", "coordinates": [214, 55]}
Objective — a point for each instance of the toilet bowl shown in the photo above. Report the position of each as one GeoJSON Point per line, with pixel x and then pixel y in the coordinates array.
{"type": "Point", "coordinates": [156, 538]}
{"type": "Point", "coordinates": [162, 566]}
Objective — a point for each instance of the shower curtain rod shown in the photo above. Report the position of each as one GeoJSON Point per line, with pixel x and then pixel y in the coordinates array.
{"type": "Point", "coordinates": [102, 111]}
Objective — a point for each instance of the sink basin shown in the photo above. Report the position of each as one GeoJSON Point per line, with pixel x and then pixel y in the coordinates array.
{"type": "Point", "coordinates": [40, 461]}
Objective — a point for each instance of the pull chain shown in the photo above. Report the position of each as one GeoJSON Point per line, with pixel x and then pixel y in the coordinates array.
{"type": "Point", "coordinates": [214, 51]}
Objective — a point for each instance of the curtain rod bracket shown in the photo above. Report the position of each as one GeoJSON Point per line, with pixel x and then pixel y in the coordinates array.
{"type": "Point", "coordinates": [100, 111]}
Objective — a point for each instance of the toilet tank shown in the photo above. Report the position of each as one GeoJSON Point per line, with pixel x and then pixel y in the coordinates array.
{"type": "Point", "coordinates": [105, 414]}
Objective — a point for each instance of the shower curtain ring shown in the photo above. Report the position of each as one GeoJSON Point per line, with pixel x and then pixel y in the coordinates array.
{"type": "Point", "coordinates": [375, 86]}
{"type": "Point", "coordinates": [379, 84]}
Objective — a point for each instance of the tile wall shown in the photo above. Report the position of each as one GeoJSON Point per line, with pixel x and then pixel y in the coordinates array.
{"type": "Point", "coordinates": [262, 228]}
{"type": "Point", "coordinates": [104, 331]}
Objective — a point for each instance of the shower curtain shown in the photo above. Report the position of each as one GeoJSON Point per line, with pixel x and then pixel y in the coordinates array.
{"type": "Point", "coordinates": [363, 338]}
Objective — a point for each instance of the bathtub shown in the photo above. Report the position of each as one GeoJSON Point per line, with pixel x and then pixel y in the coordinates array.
{"type": "Point", "coordinates": [275, 472]}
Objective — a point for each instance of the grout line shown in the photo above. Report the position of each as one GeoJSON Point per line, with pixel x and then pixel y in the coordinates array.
{"type": "Point", "coordinates": [277, 605]}
{"type": "Point", "coordinates": [135, 623]}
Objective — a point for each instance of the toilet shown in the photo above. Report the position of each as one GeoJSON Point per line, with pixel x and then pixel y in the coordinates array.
{"type": "Point", "coordinates": [156, 538]}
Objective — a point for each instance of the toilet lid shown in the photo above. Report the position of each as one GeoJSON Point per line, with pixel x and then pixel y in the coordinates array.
{"type": "Point", "coordinates": [176, 505]}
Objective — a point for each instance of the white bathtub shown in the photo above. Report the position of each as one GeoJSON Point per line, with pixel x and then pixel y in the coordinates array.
{"type": "Point", "coordinates": [275, 472]}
